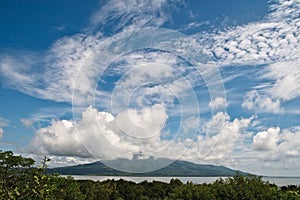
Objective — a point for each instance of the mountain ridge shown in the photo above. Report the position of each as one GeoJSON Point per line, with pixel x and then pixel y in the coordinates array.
{"type": "Point", "coordinates": [177, 168]}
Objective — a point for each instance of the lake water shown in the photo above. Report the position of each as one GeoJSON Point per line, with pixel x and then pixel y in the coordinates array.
{"type": "Point", "coordinates": [279, 181]}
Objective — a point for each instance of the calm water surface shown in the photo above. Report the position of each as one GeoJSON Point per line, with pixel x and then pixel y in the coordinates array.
{"type": "Point", "coordinates": [280, 181]}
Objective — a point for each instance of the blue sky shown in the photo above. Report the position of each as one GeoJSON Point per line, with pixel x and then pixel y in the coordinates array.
{"type": "Point", "coordinates": [213, 82]}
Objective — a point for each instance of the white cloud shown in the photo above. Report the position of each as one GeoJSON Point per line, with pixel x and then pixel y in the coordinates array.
{"type": "Point", "coordinates": [216, 123]}
{"type": "Point", "coordinates": [266, 140]}
{"type": "Point", "coordinates": [275, 38]}
{"type": "Point", "coordinates": [190, 125]}
{"type": "Point", "coordinates": [152, 78]}
{"type": "Point", "coordinates": [287, 79]}
{"type": "Point", "coordinates": [273, 151]}
{"type": "Point", "coordinates": [62, 161]}
{"type": "Point", "coordinates": [282, 84]}
{"type": "Point", "coordinates": [260, 42]}
{"type": "Point", "coordinates": [27, 122]}
{"type": "Point", "coordinates": [58, 139]}
{"type": "Point", "coordinates": [278, 144]}
{"type": "Point", "coordinates": [274, 42]}
{"type": "Point", "coordinates": [219, 146]}
{"type": "Point", "coordinates": [100, 134]}
{"type": "Point", "coordinates": [105, 136]}
{"type": "Point", "coordinates": [3, 122]}
{"type": "Point", "coordinates": [73, 63]}
{"type": "Point", "coordinates": [146, 123]}
{"type": "Point", "coordinates": [15, 67]}
{"type": "Point", "coordinates": [131, 13]}
{"type": "Point", "coordinates": [143, 82]}
{"type": "Point", "coordinates": [1, 132]}
{"type": "Point", "coordinates": [290, 142]}
{"type": "Point", "coordinates": [253, 100]}
{"type": "Point", "coordinates": [58, 161]}
{"type": "Point", "coordinates": [52, 75]}
{"type": "Point", "coordinates": [218, 103]}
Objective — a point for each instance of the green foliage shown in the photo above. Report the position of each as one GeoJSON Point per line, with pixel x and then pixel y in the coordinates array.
{"type": "Point", "coordinates": [240, 187]}
{"type": "Point", "coordinates": [19, 180]}
{"type": "Point", "coordinates": [66, 188]}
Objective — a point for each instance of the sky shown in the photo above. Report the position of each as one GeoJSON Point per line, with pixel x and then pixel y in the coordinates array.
{"type": "Point", "coordinates": [209, 81]}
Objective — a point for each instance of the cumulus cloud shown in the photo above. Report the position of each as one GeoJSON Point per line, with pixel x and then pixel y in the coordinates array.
{"type": "Point", "coordinates": [253, 100]}
{"type": "Point", "coordinates": [218, 103]}
{"type": "Point", "coordinates": [100, 135]}
{"type": "Point", "coordinates": [190, 125]}
{"type": "Point", "coordinates": [216, 123]}
{"type": "Point", "coordinates": [273, 151]}
{"type": "Point", "coordinates": [58, 139]}
{"type": "Point", "coordinates": [219, 145]}
{"type": "Point", "coordinates": [266, 140]}
{"type": "Point", "coordinates": [290, 142]}
{"type": "Point", "coordinates": [145, 123]}
{"type": "Point", "coordinates": [276, 144]}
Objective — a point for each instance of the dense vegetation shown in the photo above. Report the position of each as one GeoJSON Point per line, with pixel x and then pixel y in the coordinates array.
{"type": "Point", "coordinates": [19, 180]}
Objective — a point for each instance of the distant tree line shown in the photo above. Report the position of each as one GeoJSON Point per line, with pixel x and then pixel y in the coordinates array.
{"type": "Point", "coordinates": [20, 180]}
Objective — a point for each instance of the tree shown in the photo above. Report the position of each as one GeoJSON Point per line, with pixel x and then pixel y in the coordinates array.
{"type": "Point", "coordinates": [12, 170]}
{"type": "Point", "coordinates": [66, 188]}
{"type": "Point", "coordinates": [20, 180]}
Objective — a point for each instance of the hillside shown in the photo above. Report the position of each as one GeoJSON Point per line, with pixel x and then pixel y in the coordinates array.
{"type": "Point", "coordinates": [177, 168]}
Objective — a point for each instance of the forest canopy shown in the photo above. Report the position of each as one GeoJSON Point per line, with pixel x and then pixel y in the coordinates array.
{"type": "Point", "coordinates": [19, 179]}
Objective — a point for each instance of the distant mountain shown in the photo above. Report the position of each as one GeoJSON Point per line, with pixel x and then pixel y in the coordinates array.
{"type": "Point", "coordinates": [176, 168]}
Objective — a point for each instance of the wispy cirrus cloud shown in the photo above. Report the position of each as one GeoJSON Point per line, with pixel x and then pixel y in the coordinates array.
{"type": "Point", "coordinates": [286, 77]}
{"type": "Point", "coordinates": [281, 82]}
{"type": "Point", "coordinates": [259, 42]}
{"type": "Point", "coordinates": [116, 15]}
